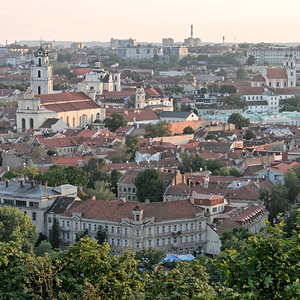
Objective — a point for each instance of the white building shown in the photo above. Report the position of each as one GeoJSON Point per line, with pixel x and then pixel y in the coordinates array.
{"type": "Point", "coordinates": [139, 53]}
{"type": "Point", "coordinates": [99, 80]}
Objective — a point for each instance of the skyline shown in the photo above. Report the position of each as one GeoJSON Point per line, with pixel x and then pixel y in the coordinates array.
{"type": "Point", "coordinates": [75, 20]}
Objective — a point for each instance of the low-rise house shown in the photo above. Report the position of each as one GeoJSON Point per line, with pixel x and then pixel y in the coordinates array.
{"type": "Point", "coordinates": [178, 116]}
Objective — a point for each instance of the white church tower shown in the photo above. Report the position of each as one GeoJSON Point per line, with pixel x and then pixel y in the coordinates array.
{"type": "Point", "coordinates": [41, 80]}
{"type": "Point", "coordinates": [140, 97]}
{"type": "Point", "coordinates": [289, 64]}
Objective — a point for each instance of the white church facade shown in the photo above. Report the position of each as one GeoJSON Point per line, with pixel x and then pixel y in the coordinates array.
{"type": "Point", "coordinates": [39, 103]}
{"type": "Point", "coordinates": [99, 80]}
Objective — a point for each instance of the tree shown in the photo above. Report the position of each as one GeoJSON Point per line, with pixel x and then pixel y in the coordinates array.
{"type": "Point", "coordinates": [101, 191]}
{"type": "Point", "coordinates": [101, 235]}
{"type": "Point", "coordinates": [30, 172]}
{"type": "Point", "coordinates": [121, 155]}
{"type": "Point", "coordinates": [267, 269]}
{"type": "Point", "coordinates": [238, 120]}
{"type": "Point", "coordinates": [241, 73]}
{"type": "Point", "coordinates": [149, 185]}
{"type": "Point", "coordinates": [16, 226]}
{"type": "Point", "coordinates": [12, 174]}
{"type": "Point", "coordinates": [292, 183]}
{"type": "Point", "coordinates": [213, 164]}
{"type": "Point", "coordinates": [132, 142]}
{"type": "Point", "coordinates": [115, 121]}
{"type": "Point", "coordinates": [250, 60]}
{"type": "Point", "coordinates": [54, 234]}
{"type": "Point", "coordinates": [115, 175]}
{"type": "Point", "coordinates": [230, 89]}
{"type": "Point", "coordinates": [55, 175]}
{"type": "Point", "coordinates": [188, 130]}
{"type": "Point", "coordinates": [96, 168]}
{"type": "Point", "coordinates": [158, 130]}
{"type": "Point", "coordinates": [223, 73]}
{"type": "Point", "coordinates": [275, 201]}
{"type": "Point", "coordinates": [249, 135]}
{"type": "Point", "coordinates": [43, 248]}
{"type": "Point", "coordinates": [234, 172]}
{"type": "Point", "coordinates": [149, 259]}
{"type": "Point", "coordinates": [236, 100]}
{"type": "Point", "coordinates": [191, 163]}
{"type": "Point", "coordinates": [235, 239]}
{"type": "Point", "coordinates": [51, 152]}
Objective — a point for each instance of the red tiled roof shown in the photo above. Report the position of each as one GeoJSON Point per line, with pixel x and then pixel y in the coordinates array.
{"type": "Point", "coordinates": [276, 73]}
{"type": "Point", "coordinates": [62, 97]}
{"type": "Point", "coordinates": [259, 78]}
{"type": "Point", "coordinates": [116, 210]}
{"type": "Point", "coordinates": [83, 71]}
{"type": "Point", "coordinates": [250, 90]}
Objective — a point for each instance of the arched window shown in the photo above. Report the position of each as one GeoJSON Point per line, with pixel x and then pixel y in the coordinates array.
{"type": "Point", "coordinates": [39, 73]}
{"type": "Point", "coordinates": [68, 121]}
{"type": "Point", "coordinates": [40, 61]}
{"type": "Point", "coordinates": [73, 121]}
{"type": "Point", "coordinates": [31, 123]}
{"type": "Point", "coordinates": [39, 90]}
{"type": "Point", "coordinates": [23, 123]}
{"type": "Point", "coordinates": [98, 116]}
{"type": "Point", "coordinates": [92, 118]}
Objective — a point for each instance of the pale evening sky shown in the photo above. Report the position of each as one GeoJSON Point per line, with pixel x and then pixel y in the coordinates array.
{"type": "Point", "coordinates": [98, 20]}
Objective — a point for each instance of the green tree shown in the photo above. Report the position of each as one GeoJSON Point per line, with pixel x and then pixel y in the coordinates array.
{"type": "Point", "coordinates": [101, 235]}
{"type": "Point", "coordinates": [51, 152]}
{"type": "Point", "coordinates": [234, 172]}
{"type": "Point", "coordinates": [249, 135]}
{"type": "Point", "coordinates": [292, 183]}
{"type": "Point", "coordinates": [223, 73]}
{"type": "Point", "coordinates": [267, 269]}
{"type": "Point", "coordinates": [149, 259]}
{"type": "Point", "coordinates": [115, 121]}
{"type": "Point", "coordinates": [149, 185]}
{"type": "Point", "coordinates": [96, 168]}
{"type": "Point", "coordinates": [238, 120]}
{"type": "Point", "coordinates": [43, 248]}
{"type": "Point", "coordinates": [77, 176]}
{"type": "Point", "coordinates": [188, 130]}
{"type": "Point", "coordinates": [12, 174]}
{"type": "Point", "coordinates": [101, 191]}
{"type": "Point", "coordinates": [158, 130]}
{"type": "Point", "coordinates": [115, 175]}
{"type": "Point", "coordinates": [121, 155]}
{"type": "Point", "coordinates": [30, 172]}
{"type": "Point", "coordinates": [213, 164]}
{"type": "Point", "coordinates": [132, 142]}
{"type": "Point", "coordinates": [238, 101]}
{"type": "Point", "coordinates": [54, 234]}
{"type": "Point", "coordinates": [250, 60]}
{"type": "Point", "coordinates": [230, 89]}
{"type": "Point", "coordinates": [241, 74]}
{"type": "Point", "coordinates": [15, 226]}
{"type": "Point", "coordinates": [191, 163]}
{"type": "Point", "coordinates": [224, 171]}
{"type": "Point", "coordinates": [275, 201]}
{"type": "Point", "coordinates": [55, 175]}
{"type": "Point", "coordinates": [235, 239]}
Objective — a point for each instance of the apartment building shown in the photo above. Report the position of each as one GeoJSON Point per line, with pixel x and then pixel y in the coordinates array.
{"type": "Point", "coordinates": [173, 227]}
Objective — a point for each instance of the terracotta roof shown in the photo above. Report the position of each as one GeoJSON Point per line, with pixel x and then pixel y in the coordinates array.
{"type": "Point", "coordinates": [219, 227]}
{"type": "Point", "coordinates": [276, 73]}
{"type": "Point", "coordinates": [62, 97]}
{"type": "Point", "coordinates": [251, 170]}
{"type": "Point", "coordinates": [250, 90]}
{"type": "Point", "coordinates": [247, 213]}
{"type": "Point", "coordinates": [259, 78]}
{"type": "Point", "coordinates": [49, 122]}
{"type": "Point", "coordinates": [116, 210]}
{"type": "Point", "coordinates": [83, 71]}
{"type": "Point", "coordinates": [283, 167]}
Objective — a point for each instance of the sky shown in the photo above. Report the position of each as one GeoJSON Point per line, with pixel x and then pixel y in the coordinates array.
{"type": "Point", "coordinates": [101, 20]}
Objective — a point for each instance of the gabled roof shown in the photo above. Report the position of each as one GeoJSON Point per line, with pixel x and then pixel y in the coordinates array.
{"type": "Point", "coordinates": [49, 122]}
{"type": "Point", "coordinates": [276, 73]}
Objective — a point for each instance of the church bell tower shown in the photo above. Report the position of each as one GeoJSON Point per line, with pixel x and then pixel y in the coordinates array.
{"type": "Point", "coordinates": [41, 80]}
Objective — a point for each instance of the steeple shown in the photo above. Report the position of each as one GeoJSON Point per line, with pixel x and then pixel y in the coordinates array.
{"type": "Point", "coordinates": [41, 81]}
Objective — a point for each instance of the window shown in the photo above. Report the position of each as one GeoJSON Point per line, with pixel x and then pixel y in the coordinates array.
{"type": "Point", "coordinates": [34, 216]}
{"type": "Point", "coordinates": [192, 238]}
{"type": "Point", "coordinates": [200, 225]}
{"type": "Point", "coordinates": [39, 73]}
{"type": "Point", "coordinates": [118, 242]}
{"type": "Point", "coordinates": [118, 229]}
{"type": "Point", "coordinates": [175, 228]}
{"type": "Point", "coordinates": [125, 230]}
{"type": "Point", "coordinates": [170, 228]}
{"type": "Point", "coordinates": [157, 229]}
{"type": "Point", "coordinates": [138, 244]}
{"type": "Point", "coordinates": [33, 204]}
{"type": "Point", "coordinates": [112, 242]}
{"type": "Point", "coordinates": [149, 230]}
{"type": "Point", "coordinates": [112, 229]}
{"type": "Point", "coordinates": [169, 241]}
{"type": "Point", "coordinates": [186, 239]}
{"type": "Point", "coordinates": [214, 209]}
{"type": "Point", "coordinates": [68, 224]}
{"type": "Point", "coordinates": [83, 226]}
{"type": "Point", "coordinates": [137, 233]}
{"type": "Point", "coordinates": [125, 243]}
{"type": "Point", "coordinates": [149, 243]}
{"type": "Point", "coordinates": [157, 242]}
{"type": "Point", "coordinates": [9, 202]}
{"type": "Point", "coordinates": [163, 241]}
{"type": "Point", "coordinates": [20, 203]}
{"type": "Point", "coordinates": [175, 240]}
{"type": "Point", "coordinates": [163, 229]}
{"type": "Point", "coordinates": [49, 220]}
{"type": "Point", "coordinates": [186, 226]}
{"type": "Point", "coordinates": [68, 235]}
{"type": "Point", "coordinates": [95, 227]}
{"type": "Point", "coordinates": [192, 226]}
{"type": "Point", "coordinates": [76, 225]}
{"type": "Point", "coordinates": [180, 227]}
{"type": "Point", "coordinates": [200, 237]}
{"type": "Point", "coordinates": [137, 216]}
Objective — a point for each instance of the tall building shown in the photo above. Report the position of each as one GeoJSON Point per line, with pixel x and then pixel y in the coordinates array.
{"type": "Point", "coordinates": [167, 42]}
{"type": "Point", "coordinates": [191, 41]}
{"type": "Point", "coordinates": [115, 43]}
{"type": "Point", "coordinates": [41, 81]}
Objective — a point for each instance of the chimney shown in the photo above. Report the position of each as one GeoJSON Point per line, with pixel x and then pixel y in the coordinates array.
{"type": "Point", "coordinates": [22, 183]}
{"type": "Point", "coordinates": [6, 183]}
{"type": "Point", "coordinates": [124, 199]}
{"type": "Point", "coordinates": [46, 183]}
{"type": "Point", "coordinates": [32, 184]}
{"type": "Point", "coordinates": [191, 31]}
{"type": "Point", "coordinates": [93, 197]}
